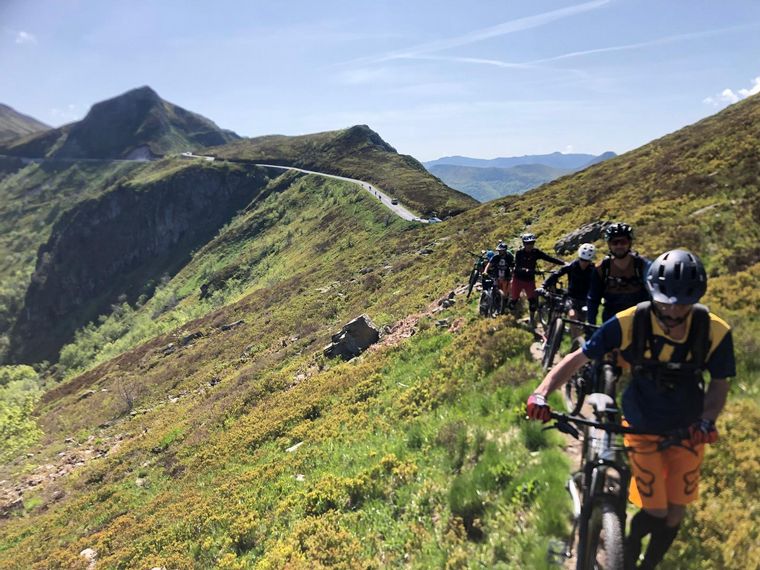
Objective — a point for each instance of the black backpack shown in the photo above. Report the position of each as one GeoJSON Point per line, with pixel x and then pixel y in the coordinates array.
{"type": "Point", "coordinates": [669, 373]}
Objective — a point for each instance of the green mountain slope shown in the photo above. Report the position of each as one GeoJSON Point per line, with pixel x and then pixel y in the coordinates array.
{"type": "Point", "coordinates": [136, 124]}
{"type": "Point", "coordinates": [485, 184]}
{"type": "Point", "coordinates": [77, 277]}
{"type": "Point", "coordinates": [32, 199]}
{"type": "Point", "coordinates": [360, 153]}
{"type": "Point", "coordinates": [413, 455]}
{"type": "Point", "coordinates": [14, 124]}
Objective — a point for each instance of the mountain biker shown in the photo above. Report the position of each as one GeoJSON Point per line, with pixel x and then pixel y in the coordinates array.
{"type": "Point", "coordinates": [500, 268]}
{"type": "Point", "coordinates": [619, 277]}
{"type": "Point", "coordinates": [665, 393]}
{"type": "Point", "coordinates": [578, 281]}
{"type": "Point", "coordinates": [524, 278]}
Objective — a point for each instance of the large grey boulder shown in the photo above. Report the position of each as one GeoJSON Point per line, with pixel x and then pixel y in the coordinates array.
{"type": "Point", "coordinates": [588, 233]}
{"type": "Point", "coordinates": [353, 339]}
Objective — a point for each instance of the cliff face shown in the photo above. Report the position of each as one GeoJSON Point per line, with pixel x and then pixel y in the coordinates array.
{"type": "Point", "coordinates": [117, 244]}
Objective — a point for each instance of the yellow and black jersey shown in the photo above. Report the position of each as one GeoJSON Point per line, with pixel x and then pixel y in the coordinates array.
{"type": "Point", "coordinates": [646, 403]}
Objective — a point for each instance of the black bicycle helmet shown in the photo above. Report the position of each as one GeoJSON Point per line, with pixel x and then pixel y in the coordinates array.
{"type": "Point", "coordinates": [677, 277]}
{"type": "Point", "coordinates": [618, 229]}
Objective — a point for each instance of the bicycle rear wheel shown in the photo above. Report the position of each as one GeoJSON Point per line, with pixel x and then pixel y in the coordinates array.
{"type": "Point", "coordinates": [601, 545]}
{"type": "Point", "coordinates": [553, 342]}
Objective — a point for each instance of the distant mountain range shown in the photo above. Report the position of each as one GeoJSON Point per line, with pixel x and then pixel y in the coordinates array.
{"type": "Point", "coordinates": [136, 124]}
{"type": "Point", "coordinates": [488, 179]}
{"type": "Point", "coordinates": [14, 124]}
{"type": "Point", "coordinates": [554, 160]}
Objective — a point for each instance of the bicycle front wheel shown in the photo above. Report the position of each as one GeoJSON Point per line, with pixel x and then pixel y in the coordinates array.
{"type": "Point", "coordinates": [602, 546]}
{"type": "Point", "coordinates": [553, 342]}
{"type": "Point", "coordinates": [485, 303]}
{"type": "Point", "coordinates": [610, 377]}
{"type": "Point", "coordinates": [574, 393]}
{"type": "Point", "coordinates": [544, 312]}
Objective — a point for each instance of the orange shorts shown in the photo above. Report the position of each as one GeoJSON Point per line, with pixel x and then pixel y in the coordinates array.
{"type": "Point", "coordinates": [662, 477]}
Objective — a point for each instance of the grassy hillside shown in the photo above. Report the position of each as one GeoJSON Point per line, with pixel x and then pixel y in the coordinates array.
{"type": "Point", "coordinates": [14, 124]}
{"type": "Point", "coordinates": [357, 152]}
{"type": "Point", "coordinates": [486, 184]}
{"type": "Point", "coordinates": [413, 455]}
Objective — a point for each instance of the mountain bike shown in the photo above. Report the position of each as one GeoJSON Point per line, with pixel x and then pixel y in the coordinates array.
{"type": "Point", "coordinates": [599, 489]}
{"type": "Point", "coordinates": [597, 376]}
{"type": "Point", "coordinates": [477, 269]}
{"type": "Point", "coordinates": [491, 301]}
{"type": "Point", "coordinates": [557, 307]}
{"type": "Point", "coordinates": [551, 313]}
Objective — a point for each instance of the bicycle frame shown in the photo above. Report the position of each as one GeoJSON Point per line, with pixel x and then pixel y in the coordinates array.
{"type": "Point", "coordinates": [602, 480]}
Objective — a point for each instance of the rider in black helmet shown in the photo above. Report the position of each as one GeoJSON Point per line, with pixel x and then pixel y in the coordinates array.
{"type": "Point", "coordinates": [669, 343]}
{"type": "Point", "coordinates": [525, 273]}
{"type": "Point", "coordinates": [618, 279]}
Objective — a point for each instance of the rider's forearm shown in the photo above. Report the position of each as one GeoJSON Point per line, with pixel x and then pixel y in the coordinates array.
{"type": "Point", "coordinates": [561, 373]}
{"type": "Point", "coordinates": [715, 399]}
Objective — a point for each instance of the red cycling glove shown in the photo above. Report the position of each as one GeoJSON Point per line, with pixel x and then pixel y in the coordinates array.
{"type": "Point", "coordinates": [703, 431]}
{"type": "Point", "coordinates": [538, 409]}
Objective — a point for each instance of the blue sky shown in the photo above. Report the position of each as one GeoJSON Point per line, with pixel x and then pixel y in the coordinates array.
{"type": "Point", "coordinates": [483, 79]}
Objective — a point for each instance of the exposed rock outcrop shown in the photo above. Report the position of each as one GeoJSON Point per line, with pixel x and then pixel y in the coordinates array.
{"type": "Point", "coordinates": [585, 234]}
{"type": "Point", "coordinates": [353, 339]}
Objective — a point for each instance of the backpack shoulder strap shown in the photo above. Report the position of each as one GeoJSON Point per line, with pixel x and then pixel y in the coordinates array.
{"type": "Point", "coordinates": [642, 331]}
{"type": "Point", "coordinates": [605, 267]}
{"type": "Point", "coordinates": [638, 266]}
{"type": "Point", "coordinates": [699, 335]}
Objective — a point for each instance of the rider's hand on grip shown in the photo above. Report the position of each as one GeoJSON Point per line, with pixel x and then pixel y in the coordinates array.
{"type": "Point", "coordinates": [703, 431]}
{"type": "Point", "coordinates": [538, 409]}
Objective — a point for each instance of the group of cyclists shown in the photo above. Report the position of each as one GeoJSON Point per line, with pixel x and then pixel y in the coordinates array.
{"type": "Point", "coordinates": [656, 329]}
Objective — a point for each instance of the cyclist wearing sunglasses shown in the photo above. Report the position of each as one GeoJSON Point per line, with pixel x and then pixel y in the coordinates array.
{"type": "Point", "coordinates": [618, 280]}
{"type": "Point", "coordinates": [668, 343]}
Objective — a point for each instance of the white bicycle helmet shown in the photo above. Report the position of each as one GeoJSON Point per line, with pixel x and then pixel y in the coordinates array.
{"type": "Point", "coordinates": [587, 251]}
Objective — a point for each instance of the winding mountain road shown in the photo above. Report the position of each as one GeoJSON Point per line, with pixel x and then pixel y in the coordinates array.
{"type": "Point", "coordinates": [386, 200]}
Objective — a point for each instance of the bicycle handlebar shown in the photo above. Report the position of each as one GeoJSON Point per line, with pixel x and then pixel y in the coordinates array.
{"type": "Point", "coordinates": [563, 421]}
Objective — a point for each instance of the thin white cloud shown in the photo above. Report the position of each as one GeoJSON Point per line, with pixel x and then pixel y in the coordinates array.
{"type": "Point", "coordinates": [23, 37]}
{"type": "Point", "coordinates": [502, 29]}
{"type": "Point", "coordinates": [476, 60]}
{"type": "Point", "coordinates": [640, 45]}
{"type": "Point", "coordinates": [728, 96]}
